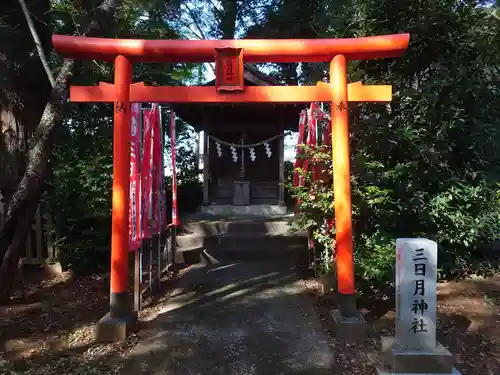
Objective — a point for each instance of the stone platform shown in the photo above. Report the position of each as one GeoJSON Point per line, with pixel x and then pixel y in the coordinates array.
{"type": "Point", "coordinates": [255, 210]}
{"type": "Point", "coordinates": [241, 238]}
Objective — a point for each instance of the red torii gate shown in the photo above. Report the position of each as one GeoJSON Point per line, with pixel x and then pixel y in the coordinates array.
{"type": "Point", "coordinates": [229, 56]}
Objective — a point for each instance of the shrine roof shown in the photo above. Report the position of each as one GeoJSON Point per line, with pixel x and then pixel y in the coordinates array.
{"type": "Point", "coordinates": [253, 77]}
{"type": "Point", "coordinates": [242, 116]}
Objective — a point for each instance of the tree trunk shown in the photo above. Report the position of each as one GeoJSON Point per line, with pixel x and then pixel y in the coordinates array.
{"type": "Point", "coordinates": [228, 18]}
{"type": "Point", "coordinates": [22, 205]}
{"type": "Point", "coordinates": [24, 201]}
{"type": "Point", "coordinates": [9, 267]}
{"type": "Point", "coordinates": [24, 90]}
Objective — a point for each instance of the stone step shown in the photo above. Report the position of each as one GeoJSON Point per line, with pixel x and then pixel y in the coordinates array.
{"type": "Point", "coordinates": [243, 247]}
{"type": "Point", "coordinates": [292, 258]}
{"type": "Point", "coordinates": [242, 242]}
{"type": "Point", "coordinates": [265, 200]}
{"type": "Point", "coordinates": [239, 227]}
{"type": "Point", "coordinates": [193, 248]}
{"type": "Point", "coordinates": [187, 242]}
{"type": "Point", "coordinates": [265, 243]}
{"type": "Point", "coordinates": [241, 237]}
{"type": "Point", "coordinates": [262, 210]}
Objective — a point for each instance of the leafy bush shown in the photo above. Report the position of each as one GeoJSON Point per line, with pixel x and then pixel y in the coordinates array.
{"type": "Point", "coordinates": [428, 163]}
{"type": "Point", "coordinates": [462, 217]}
{"type": "Point", "coordinates": [79, 191]}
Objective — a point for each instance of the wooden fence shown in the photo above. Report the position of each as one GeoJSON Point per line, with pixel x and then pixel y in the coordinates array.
{"type": "Point", "coordinates": [41, 244]}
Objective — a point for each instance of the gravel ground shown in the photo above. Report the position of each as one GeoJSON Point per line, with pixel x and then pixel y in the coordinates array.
{"type": "Point", "coordinates": [468, 325]}
{"type": "Point", "coordinates": [49, 328]}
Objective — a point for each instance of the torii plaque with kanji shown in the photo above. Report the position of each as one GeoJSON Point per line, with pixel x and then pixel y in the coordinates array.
{"type": "Point", "coordinates": [229, 69]}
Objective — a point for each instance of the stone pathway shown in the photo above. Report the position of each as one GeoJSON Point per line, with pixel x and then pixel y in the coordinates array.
{"type": "Point", "coordinates": [235, 318]}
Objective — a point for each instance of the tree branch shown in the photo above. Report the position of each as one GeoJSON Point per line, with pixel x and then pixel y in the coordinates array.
{"type": "Point", "coordinates": [192, 32]}
{"type": "Point", "coordinates": [496, 14]}
{"type": "Point", "coordinates": [19, 215]}
{"type": "Point", "coordinates": [198, 27]}
{"type": "Point", "coordinates": [38, 43]}
{"type": "Point", "coordinates": [220, 11]}
{"type": "Point", "coordinates": [195, 21]}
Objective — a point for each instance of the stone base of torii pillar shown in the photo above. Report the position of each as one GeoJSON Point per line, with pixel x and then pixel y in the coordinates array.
{"type": "Point", "coordinates": [349, 323]}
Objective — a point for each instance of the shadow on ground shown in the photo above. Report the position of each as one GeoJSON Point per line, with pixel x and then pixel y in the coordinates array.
{"type": "Point", "coordinates": [257, 319]}
{"type": "Point", "coordinates": [51, 307]}
{"type": "Point", "coordinates": [49, 318]}
{"type": "Point", "coordinates": [235, 318]}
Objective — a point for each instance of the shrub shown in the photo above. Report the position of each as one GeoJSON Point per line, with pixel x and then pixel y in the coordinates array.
{"type": "Point", "coordinates": [462, 217]}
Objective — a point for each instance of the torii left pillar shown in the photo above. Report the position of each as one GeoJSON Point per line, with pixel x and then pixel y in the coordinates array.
{"type": "Point", "coordinates": [121, 318]}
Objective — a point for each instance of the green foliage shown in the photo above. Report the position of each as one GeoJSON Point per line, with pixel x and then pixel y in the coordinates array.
{"type": "Point", "coordinates": [316, 204]}
{"type": "Point", "coordinates": [79, 191]}
{"type": "Point", "coordinates": [374, 257]}
{"type": "Point", "coordinates": [427, 165]}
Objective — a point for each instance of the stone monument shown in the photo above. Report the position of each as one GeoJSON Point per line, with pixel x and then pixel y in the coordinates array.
{"type": "Point", "coordinates": [415, 350]}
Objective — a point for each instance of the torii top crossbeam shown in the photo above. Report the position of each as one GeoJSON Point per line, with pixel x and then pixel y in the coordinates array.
{"type": "Point", "coordinates": [256, 50]}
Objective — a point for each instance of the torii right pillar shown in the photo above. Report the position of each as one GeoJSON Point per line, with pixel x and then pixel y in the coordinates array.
{"type": "Point", "coordinates": [349, 322]}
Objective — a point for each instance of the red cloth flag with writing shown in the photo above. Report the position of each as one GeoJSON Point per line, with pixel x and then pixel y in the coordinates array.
{"type": "Point", "coordinates": [135, 179]}
{"type": "Point", "coordinates": [315, 114]}
{"type": "Point", "coordinates": [157, 171]}
{"type": "Point", "coordinates": [300, 141]}
{"type": "Point", "coordinates": [297, 179]}
{"type": "Point", "coordinates": [327, 141]}
{"type": "Point", "coordinates": [311, 138]}
{"type": "Point", "coordinates": [175, 218]}
{"type": "Point", "coordinates": [147, 172]}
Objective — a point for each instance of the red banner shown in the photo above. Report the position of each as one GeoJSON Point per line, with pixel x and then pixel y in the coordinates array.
{"type": "Point", "coordinates": [311, 141]}
{"type": "Point", "coordinates": [327, 141]}
{"type": "Point", "coordinates": [175, 218]}
{"type": "Point", "coordinates": [147, 172]}
{"type": "Point", "coordinates": [327, 131]}
{"type": "Point", "coordinates": [135, 179]}
{"type": "Point", "coordinates": [300, 141]}
{"type": "Point", "coordinates": [162, 200]}
{"type": "Point", "coordinates": [313, 124]}
{"type": "Point", "coordinates": [297, 179]}
{"type": "Point", "coordinates": [157, 170]}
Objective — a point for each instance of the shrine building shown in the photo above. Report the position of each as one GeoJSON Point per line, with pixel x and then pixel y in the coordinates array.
{"type": "Point", "coordinates": [243, 150]}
